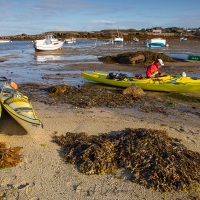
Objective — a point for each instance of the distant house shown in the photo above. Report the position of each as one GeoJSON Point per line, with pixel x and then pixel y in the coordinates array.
{"type": "Point", "coordinates": [157, 30]}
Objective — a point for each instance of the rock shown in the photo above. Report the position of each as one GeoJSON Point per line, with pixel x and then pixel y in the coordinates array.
{"type": "Point", "coordinates": [2, 59]}
{"type": "Point", "coordinates": [131, 60]}
{"type": "Point", "coordinates": [134, 90]}
{"type": "Point", "coordinates": [124, 60]}
{"type": "Point", "coordinates": [137, 59]}
{"type": "Point", "coordinates": [58, 89]}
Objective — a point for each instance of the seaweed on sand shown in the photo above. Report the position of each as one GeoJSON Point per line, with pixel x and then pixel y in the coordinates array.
{"type": "Point", "coordinates": [9, 157]}
{"type": "Point", "coordinates": [87, 97]}
{"type": "Point", "coordinates": [154, 159]}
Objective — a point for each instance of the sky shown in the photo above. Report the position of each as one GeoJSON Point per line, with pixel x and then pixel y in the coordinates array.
{"type": "Point", "coordinates": [39, 16]}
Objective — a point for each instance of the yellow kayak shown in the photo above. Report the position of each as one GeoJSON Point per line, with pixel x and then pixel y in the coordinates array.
{"type": "Point", "coordinates": [161, 78]}
{"type": "Point", "coordinates": [20, 108]}
{"type": "Point", "coordinates": [145, 84]}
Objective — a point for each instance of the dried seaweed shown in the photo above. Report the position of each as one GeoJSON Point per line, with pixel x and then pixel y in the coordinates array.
{"type": "Point", "coordinates": [9, 157]}
{"type": "Point", "coordinates": [154, 159]}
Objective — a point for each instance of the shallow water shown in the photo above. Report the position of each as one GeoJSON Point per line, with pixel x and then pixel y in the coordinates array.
{"type": "Point", "coordinates": [53, 67]}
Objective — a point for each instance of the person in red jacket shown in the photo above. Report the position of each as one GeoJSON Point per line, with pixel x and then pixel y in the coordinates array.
{"type": "Point", "coordinates": [152, 70]}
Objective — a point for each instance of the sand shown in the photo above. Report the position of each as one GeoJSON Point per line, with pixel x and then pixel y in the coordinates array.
{"type": "Point", "coordinates": [42, 174]}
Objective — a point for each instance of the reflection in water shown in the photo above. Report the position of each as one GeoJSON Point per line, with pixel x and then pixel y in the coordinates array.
{"type": "Point", "coordinates": [43, 58]}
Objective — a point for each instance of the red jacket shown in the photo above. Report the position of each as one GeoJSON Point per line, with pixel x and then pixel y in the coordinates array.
{"type": "Point", "coordinates": [152, 69]}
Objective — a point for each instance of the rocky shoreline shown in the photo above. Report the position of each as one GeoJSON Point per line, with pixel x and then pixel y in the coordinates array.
{"type": "Point", "coordinates": [104, 35]}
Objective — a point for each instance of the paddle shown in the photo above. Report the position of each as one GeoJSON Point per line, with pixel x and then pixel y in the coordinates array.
{"type": "Point", "coordinates": [0, 110]}
{"type": "Point", "coordinates": [14, 85]}
{"type": "Point", "coordinates": [3, 78]}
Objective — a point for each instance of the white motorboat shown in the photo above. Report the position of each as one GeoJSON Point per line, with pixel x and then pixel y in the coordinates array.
{"type": "Point", "coordinates": [183, 39]}
{"type": "Point", "coordinates": [156, 42]}
{"type": "Point", "coordinates": [70, 41]}
{"type": "Point", "coordinates": [47, 44]}
{"type": "Point", "coordinates": [135, 39]}
{"type": "Point", "coordinates": [5, 41]}
{"type": "Point", "coordinates": [118, 39]}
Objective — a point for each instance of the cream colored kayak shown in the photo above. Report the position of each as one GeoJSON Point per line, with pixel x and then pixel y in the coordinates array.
{"type": "Point", "coordinates": [145, 84]}
{"type": "Point", "coordinates": [20, 108]}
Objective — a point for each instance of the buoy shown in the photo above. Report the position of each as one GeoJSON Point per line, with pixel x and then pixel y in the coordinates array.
{"type": "Point", "coordinates": [183, 74]}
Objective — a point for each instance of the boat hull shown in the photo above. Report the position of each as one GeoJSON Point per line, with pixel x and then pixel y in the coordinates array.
{"type": "Point", "coordinates": [5, 41]}
{"type": "Point", "coordinates": [70, 41]}
{"type": "Point", "coordinates": [183, 56]}
{"type": "Point", "coordinates": [178, 79]}
{"type": "Point", "coordinates": [157, 42]}
{"type": "Point", "coordinates": [118, 39]}
{"type": "Point", "coordinates": [48, 44]}
{"type": "Point", "coordinates": [194, 57]}
{"type": "Point", "coordinates": [146, 84]}
{"type": "Point", "coordinates": [29, 126]}
{"type": "Point", "coordinates": [20, 108]}
{"type": "Point", "coordinates": [48, 47]}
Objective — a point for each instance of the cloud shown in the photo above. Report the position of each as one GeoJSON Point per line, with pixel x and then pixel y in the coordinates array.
{"type": "Point", "coordinates": [35, 16]}
{"type": "Point", "coordinates": [104, 22]}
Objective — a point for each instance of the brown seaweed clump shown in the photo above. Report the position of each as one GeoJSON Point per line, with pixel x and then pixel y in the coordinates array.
{"type": "Point", "coordinates": [87, 97]}
{"type": "Point", "coordinates": [9, 157]}
{"type": "Point", "coordinates": [154, 159]}
{"type": "Point", "coordinates": [82, 96]}
{"type": "Point", "coordinates": [59, 89]}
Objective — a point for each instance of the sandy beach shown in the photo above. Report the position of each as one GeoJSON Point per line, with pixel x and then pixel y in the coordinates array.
{"type": "Point", "coordinates": [43, 175]}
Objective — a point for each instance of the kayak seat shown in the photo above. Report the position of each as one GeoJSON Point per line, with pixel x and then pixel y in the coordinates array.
{"type": "Point", "coordinates": [15, 99]}
{"type": "Point", "coordinates": [23, 109]}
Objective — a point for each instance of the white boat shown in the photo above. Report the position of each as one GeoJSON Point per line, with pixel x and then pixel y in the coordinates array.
{"type": "Point", "coordinates": [135, 39]}
{"type": "Point", "coordinates": [156, 42]}
{"type": "Point", "coordinates": [19, 107]}
{"type": "Point", "coordinates": [183, 39]}
{"type": "Point", "coordinates": [5, 41]}
{"type": "Point", "coordinates": [70, 41]}
{"type": "Point", "coordinates": [47, 44]}
{"type": "Point", "coordinates": [118, 38]}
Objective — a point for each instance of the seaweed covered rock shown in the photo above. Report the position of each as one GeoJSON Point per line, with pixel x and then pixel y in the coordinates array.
{"type": "Point", "coordinates": [136, 57]}
{"type": "Point", "coordinates": [131, 60]}
{"type": "Point", "coordinates": [134, 90]}
{"type": "Point", "coordinates": [58, 89]}
{"type": "Point", "coordinates": [3, 59]}
{"type": "Point", "coordinates": [154, 159]}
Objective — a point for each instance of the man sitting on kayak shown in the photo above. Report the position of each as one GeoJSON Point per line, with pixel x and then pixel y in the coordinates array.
{"type": "Point", "coordinates": [152, 70]}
